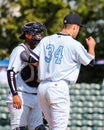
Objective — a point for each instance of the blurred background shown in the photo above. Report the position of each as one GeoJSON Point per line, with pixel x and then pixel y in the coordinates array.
{"type": "Point", "coordinates": [87, 96]}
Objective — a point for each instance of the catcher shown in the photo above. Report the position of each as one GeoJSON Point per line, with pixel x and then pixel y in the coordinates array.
{"type": "Point", "coordinates": [22, 99]}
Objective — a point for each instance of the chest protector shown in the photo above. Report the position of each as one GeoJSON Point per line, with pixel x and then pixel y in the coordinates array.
{"type": "Point", "coordinates": [29, 73]}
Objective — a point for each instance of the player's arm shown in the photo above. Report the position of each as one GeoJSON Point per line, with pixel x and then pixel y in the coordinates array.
{"type": "Point", "coordinates": [12, 82]}
{"type": "Point", "coordinates": [17, 102]}
{"type": "Point", "coordinates": [91, 46]}
{"type": "Point", "coordinates": [86, 57]}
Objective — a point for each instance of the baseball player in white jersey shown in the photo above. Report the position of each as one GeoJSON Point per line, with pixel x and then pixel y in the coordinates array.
{"type": "Point", "coordinates": [22, 100]}
{"type": "Point", "coordinates": [60, 57]}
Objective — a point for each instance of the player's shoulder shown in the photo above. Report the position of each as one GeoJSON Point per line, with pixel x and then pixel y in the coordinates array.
{"type": "Point", "coordinates": [18, 48]}
{"type": "Point", "coordinates": [76, 42]}
{"type": "Point", "coordinates": [21, 47]}
{"type": "Point", "coordinates": [49, 36]}
{"type": "Point", "coordinates": [77, 46]}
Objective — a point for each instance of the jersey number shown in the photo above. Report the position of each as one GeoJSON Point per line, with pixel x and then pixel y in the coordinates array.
{"type": "Point", "coordinates": [57, 54]}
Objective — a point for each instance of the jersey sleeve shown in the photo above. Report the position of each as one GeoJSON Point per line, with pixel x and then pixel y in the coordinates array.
{"type": "Point", "coordinates": [15, 60]}
{"type": "Point", "coordinates": [82, 56]}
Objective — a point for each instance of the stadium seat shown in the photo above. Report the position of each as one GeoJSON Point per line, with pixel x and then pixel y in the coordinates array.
{"type": "Point", "coordinates": [87, 107]}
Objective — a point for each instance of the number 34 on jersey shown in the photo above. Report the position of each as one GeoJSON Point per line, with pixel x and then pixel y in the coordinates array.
{"type": "Point", "coordinates": [52, 53]}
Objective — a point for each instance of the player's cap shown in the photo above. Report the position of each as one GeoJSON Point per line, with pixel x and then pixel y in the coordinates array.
{"type": "Point", "coordinates": [73, 19]}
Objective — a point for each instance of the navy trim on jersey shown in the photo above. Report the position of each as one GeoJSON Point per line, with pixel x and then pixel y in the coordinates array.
{"type": "Point", "coordinates": [91, 63]}
{"type": "Point", "coordinates": [64, 34]}
{"type": "Point", "coordinates": [27, 92]}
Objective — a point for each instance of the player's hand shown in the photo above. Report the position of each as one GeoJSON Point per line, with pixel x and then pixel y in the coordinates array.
{"type": "Point", "coordinates": [91, 42]}
{"type": "Point", "coordinates": [17, 102]}
{"type": "Point", "coordinates": [91, 45]}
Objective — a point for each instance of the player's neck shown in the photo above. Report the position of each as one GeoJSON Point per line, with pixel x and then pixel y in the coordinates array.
{"type": "Point", "coordinates": [65, 32]}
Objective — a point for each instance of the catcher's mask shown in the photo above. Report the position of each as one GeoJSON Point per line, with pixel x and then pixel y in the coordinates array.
{"type": "Point", "coordinates": [33, 28]}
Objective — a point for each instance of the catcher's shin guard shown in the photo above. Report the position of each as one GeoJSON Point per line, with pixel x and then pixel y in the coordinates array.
{"type": "Point", "coordinates": [40, 127]}
{"type": "Point", "coordinates": [20, 128]}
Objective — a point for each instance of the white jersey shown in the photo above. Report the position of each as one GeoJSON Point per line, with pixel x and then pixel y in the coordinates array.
{"type": "Point", "coordinates": [60, 58]}
{"type": "Point", "coordinates": [17, 65]}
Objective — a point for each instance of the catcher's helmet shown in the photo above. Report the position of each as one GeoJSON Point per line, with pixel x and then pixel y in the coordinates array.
{"type": "Point", "coordinates": [33, 28]}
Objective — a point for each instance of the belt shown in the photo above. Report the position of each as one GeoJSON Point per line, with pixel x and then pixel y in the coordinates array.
{"type": "Point", "coordinates": [28, 93]}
